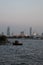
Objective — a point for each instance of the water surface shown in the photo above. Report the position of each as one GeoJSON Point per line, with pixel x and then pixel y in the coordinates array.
{"type": "Point", "coordinates": [30, 53]}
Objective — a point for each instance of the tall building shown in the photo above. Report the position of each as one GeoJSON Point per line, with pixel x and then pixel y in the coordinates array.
{"type": "Point", "coordinates": [30, 31]}
{"type": "Point", "coordinates": [8, 31]}
{"type": "Point", "coordinates": [2, 33]}
{"type": "Point", "coordinates": [22, 33]}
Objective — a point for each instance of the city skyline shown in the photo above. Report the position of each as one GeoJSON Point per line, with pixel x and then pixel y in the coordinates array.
{"type": "Point", "coordinates": [22, 32]}
{"type": "Point", "coordinates": [19, 15]}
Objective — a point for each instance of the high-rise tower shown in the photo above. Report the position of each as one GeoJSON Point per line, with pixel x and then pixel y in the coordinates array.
{"type": "Point", "coordinates": [8, 31]}
{"type": "Point", "coordinates": [30, 31]}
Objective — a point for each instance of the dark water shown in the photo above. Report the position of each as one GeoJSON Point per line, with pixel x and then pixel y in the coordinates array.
{"type": "Point", "coordinates": [30, 53]}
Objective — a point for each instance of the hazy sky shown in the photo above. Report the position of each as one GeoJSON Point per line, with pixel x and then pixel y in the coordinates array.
{"type": "Point", "coordinates": [20, 15]}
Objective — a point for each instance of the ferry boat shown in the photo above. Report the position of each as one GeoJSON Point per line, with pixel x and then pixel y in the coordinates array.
{"type": "Point", "coordinates": [17, 43]}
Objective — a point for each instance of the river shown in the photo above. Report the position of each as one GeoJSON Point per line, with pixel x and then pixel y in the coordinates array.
{"type": "Point", "coordinates": [30, 53]}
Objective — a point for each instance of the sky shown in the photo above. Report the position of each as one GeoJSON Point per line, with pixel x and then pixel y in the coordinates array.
{"type": "Point", "coordinates": [20, 15]}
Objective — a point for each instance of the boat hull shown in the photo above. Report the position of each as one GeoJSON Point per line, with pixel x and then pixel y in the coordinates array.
{"type": "Point", "coordinates": [18, 44]}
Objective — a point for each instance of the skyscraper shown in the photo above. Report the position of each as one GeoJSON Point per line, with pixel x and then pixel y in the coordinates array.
{"type": "Point", "coordinates": [30, 31]}
{"type": "Point", "coordinates": [8, 31]}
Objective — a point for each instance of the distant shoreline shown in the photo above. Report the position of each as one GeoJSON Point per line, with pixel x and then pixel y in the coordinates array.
{"type": "Point", "coordinates": [25, 37]}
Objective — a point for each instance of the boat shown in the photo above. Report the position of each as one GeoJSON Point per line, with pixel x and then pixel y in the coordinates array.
{"type": "Point", "coordinates": [17, 43]}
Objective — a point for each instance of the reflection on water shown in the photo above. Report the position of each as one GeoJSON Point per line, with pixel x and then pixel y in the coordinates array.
{"type": "Point", "coordinates": [30, 53]}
